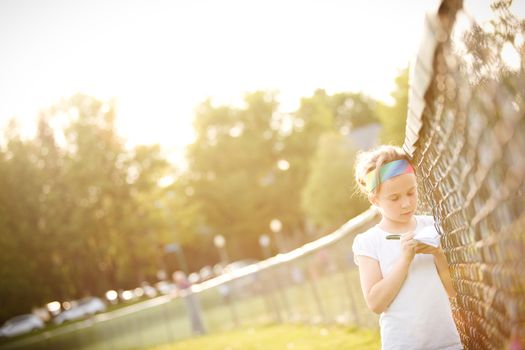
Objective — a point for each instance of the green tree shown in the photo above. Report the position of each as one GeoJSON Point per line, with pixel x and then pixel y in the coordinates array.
{"type": "Point", "coordinates": [146, 218]}
{"type": "Point", "coordinates": [319, 114]}
{"type": "Point", "coordinates": [114, 192]}
{"type": "Point", "coordinates": [77, 216]}
{"type": "Point", "coordinates": [21, 244]}
{"type": "Point", "coordinates": [327, 196]}
{"type": "Point", "coordinates": [393, 118]}
{"type": "Point", "coordinates": [249, 165]}
{"type": "Point", "coordinates": [231, 172]}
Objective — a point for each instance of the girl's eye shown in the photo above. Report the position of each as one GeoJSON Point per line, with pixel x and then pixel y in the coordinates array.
{"type": "Point", "coordinates": [411, 193]}
{"type": "Point", "coordinates": [394, 199]}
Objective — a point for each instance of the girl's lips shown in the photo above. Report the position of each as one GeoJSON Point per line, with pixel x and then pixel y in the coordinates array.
{"type": "Point", "coordinates": [410, 212]}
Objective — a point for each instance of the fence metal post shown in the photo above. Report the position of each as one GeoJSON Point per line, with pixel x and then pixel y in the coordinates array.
{"type": "Point", "coordinates": [350, 294]}
{"type": "Point", "coordinates": [315, 292]}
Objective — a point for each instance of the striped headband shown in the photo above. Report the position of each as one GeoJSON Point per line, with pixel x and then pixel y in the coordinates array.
{"type": "Point", "coordinates": [387, 171]}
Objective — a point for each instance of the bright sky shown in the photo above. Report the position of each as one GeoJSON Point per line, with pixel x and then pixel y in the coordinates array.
{"type": "Point", "coordinates": [160, 59]}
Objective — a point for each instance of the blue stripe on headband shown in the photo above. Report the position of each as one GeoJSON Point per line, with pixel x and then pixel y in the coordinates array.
{"type": "Point", "coordinates": [387, 171]}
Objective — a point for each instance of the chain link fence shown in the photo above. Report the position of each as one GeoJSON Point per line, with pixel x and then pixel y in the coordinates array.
{"type": "Point", "coordinates": [314, 284]}
{"type": "Point", "coordinates": [466, 136]}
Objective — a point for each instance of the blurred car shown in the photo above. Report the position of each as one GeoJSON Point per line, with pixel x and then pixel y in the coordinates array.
{"type": "Point", "coordinates": [129, 295]}
{"type": "Point", "coordinates": [165, 287]}
{"type": "Point", "coordinates": [92, 305]}
{"type": "Point", "coordinates": [85, 307]}
{"type": "Point", "coordinates": [194, 278]}
{"type": "Point", "coordinates": [21, 324]}
{"type": "Point", "coordinates": [239, 264]}
{"type": "Point", "coordinates": [243, 286]}
{"type": "Point", "coordinates": [206, 273]}
{"type": "Point", "coordinates": [149, 291]}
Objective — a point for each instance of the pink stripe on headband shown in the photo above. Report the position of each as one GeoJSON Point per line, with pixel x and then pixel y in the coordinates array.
{"type": "Point", "coordinates": [387, 171]}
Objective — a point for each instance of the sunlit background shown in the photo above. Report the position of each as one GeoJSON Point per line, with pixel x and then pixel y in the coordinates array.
{"type": "Point", "coordinates": [159, 59]}
{"type": "Point", "coordinates": [235, 128]}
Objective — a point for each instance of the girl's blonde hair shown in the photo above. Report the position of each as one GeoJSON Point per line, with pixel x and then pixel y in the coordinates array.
{"type": "Point", "coordinates": [366, 161]}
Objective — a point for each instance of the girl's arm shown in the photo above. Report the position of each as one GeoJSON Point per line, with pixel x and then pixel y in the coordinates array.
{"type": "Point", "coordinates": [441, 264]}
{"type": "Point", "coordinates": [379, 292]}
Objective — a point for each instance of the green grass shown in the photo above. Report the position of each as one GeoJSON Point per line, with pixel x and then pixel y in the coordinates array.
{"type": "Point", "coordinates": [286, 337]}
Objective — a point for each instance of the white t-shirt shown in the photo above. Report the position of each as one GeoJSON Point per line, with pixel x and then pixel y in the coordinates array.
{"type": "Point", "coordinates": [420, 316]}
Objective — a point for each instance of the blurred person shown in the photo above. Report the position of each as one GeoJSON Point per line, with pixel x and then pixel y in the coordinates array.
{"type": "Point", "coordinates": [404, 280]}
{"type": "Point", "coordinates": [191, 301]}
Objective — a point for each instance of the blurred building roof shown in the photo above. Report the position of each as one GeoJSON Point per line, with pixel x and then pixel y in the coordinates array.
{"type": "Point", "coordinates": [365, 137]}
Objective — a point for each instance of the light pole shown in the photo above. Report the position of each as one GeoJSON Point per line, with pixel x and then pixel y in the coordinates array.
{"type": "Point", "coordinates": [276, 226]}
{"type": "Point", "coordinates": [264, 242]}
{"type": "Point", "coordinates": [220, 242]}
{"type": "Point", "coordinates": [177, 249]}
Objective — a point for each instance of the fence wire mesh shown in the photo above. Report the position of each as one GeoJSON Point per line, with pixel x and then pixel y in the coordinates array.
{"type": "Point", "coordinates": [317, 283]}
{"type": "Point", "coordinates": [466, 136]}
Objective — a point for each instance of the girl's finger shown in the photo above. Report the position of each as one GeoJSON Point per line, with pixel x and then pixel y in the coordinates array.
{"type": "Point", "coordinates": [406, 236]}
{"type": "Point", "coordinates": [410, 244]}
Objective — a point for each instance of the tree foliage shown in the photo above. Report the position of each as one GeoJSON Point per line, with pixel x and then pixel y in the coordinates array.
{"type": "Point", "coordinates": [76, 218]}
{"type": "Point", "coordinates": [393, 118]}
{"type": "Point", "coordinates": [80, 213]}
{"type": "Point", "coordinates": [327, 197]}
{"type": "Point", "coordinates": [232, 171]}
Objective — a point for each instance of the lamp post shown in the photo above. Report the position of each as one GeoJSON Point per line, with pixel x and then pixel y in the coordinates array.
{"type": "Point", "coordinates": [264, 242]}
{"type": "Point", "coordinates": [177, 249]}
{"type": "Point", "coordinates": [220, 242]}
{"type": "Point", "coordinates": [276, 226]}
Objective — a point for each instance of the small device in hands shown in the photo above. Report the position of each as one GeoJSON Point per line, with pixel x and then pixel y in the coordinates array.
{"type": "Point", "coordinates": [393, 236]}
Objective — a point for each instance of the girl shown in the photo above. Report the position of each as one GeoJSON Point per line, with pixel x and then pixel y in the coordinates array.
{"type": "Point", "coordinates": [405, 281]}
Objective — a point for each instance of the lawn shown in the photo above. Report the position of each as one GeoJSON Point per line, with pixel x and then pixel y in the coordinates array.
{"type": "Point", "coordinates": [286, 337]}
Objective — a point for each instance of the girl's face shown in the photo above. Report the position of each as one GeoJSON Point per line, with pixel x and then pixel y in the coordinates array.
{"type": "Point", "coordinates": [397, 198]}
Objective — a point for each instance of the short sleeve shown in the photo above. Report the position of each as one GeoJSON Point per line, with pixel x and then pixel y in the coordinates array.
{"type": "Point", "coordinates": [363, 246]}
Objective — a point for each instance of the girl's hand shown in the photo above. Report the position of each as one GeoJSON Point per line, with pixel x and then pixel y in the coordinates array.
{"type": "Point", "coordinates": [422, 248]}
{"type": "Point", "coordinates": [408, 246]}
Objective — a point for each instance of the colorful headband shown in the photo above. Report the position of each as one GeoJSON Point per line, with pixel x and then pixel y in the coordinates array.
{"type": "Point", "coordinates": [388, 170]}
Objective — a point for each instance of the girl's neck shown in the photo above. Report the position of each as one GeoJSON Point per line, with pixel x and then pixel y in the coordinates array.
{"type": "Point", "coordinates": [395, 227]}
